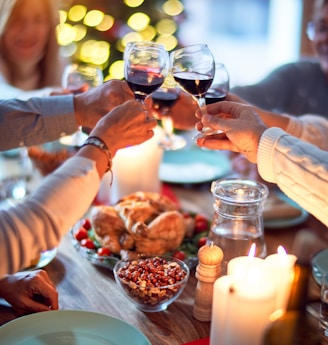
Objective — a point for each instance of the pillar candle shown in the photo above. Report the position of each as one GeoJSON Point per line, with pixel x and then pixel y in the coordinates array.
{"type": "Point", "coordinates": [281, 268]}
{"type": "Point", "coordinates": [136, 168]}
{"type": "Point", "coordinates": [241, 309]}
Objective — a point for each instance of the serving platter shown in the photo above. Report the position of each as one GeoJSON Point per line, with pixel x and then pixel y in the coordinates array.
{"type": "Point", "coordinates": [188, 248]}
{"type": "Point", "coordinates": [70, 327]}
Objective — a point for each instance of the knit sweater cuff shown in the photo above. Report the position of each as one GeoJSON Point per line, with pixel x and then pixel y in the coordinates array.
{"type": "Point", "coordinates": [265, 153]}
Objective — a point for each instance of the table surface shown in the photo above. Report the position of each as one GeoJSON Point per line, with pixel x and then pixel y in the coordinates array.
{"type": "Point", "coordinates": [83, 286]}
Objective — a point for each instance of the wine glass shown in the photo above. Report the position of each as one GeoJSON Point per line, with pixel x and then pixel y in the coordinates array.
{"type": "Point", "coordinates": [193, 68]}
{"type": "Point", "coordinates": [163, 100]}
{"type": "Point", "coordinates": [146, 64]}
{"type": "Point", "coordinates": [220, 85]}
{"type": "Point", "coordinates": [78, 78]}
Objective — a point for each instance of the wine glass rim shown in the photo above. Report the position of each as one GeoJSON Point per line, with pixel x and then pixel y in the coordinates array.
{"type": "Point", "coordinates": [144, 43]}
{"type": "Point", "coordinates": [192, 47]}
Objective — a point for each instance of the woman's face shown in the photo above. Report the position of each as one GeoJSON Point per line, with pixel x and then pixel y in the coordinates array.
{"type": "Point", "coordinates": [320, 39]}
{"type": "Point", "coordinates": [26, 33]}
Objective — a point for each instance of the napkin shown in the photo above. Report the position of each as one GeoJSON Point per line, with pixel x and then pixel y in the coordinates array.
{"type": "Point", "coordinates": [204, 341]}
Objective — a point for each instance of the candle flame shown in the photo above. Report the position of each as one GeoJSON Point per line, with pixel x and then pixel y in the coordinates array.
{"type": "Point", "coordinates": [281, 250]}
{"type": "Point", "coordinates": [251, 253]}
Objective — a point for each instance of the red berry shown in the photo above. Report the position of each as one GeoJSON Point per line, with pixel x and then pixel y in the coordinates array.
{"type": "Point", "coordinates": [88, 243]}
{"type": "Point", "coordinates": [202, 241]}
{"type": "Point", "coordinates": [103, 251]}
{"type": "Point", "coordinates": [201, 223]}
{"type": "Point", "coordinates": [179, 254]}
{"type": "Point", "coordinates": [86, 224]}
{"type": "Point", "coordinates": [81, 234]}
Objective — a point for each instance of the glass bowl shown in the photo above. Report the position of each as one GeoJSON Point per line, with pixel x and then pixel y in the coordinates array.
{"type": "Point", "coordinates": [152, 283]}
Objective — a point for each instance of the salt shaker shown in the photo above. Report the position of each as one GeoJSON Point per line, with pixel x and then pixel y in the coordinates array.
{"type": "Point", "coordinates": [207, 271]}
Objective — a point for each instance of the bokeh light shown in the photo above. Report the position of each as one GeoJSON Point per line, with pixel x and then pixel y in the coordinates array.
{"type": "Point", "coordinates": [173, 7]}
{"type": "Point", "coordinates": [77, 13]}
{"type": "Point", "coordinates": [93, 18]}
{"type": "Point", "coordinates": [133, 3]}
{"type": "Point", "coordinates": [138, 21]}
{"type": "Point", "coordinates": [97, 31]}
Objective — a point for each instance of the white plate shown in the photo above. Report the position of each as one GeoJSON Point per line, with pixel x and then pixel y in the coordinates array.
{"type": "Point", "coordinates": [45, 258]}
{"type": "Point", "coordinates": [70, 327]}
{"type": "Point", "coordinates": [286, 222]}
{"type": "Point", "coordinates": [320, 265]}
{"type": "Point", "coordinates": [193, 165]}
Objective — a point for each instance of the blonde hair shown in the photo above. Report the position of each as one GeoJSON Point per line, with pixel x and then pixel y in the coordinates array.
{"type": "Point", "coordinates": [51, 64]}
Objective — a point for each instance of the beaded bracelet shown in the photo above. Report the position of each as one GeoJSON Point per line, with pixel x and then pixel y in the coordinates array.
{"type": "Point", "coordinates": [95, 141]}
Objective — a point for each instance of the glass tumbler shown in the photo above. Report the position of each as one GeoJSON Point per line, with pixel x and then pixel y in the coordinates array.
{"type": "Point", "coordinates": [238, 220]}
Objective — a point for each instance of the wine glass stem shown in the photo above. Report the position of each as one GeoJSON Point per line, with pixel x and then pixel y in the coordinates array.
{"type": "Point", "coordinates": [202, 104]}
{"type": "Point", "coordinates": [167, 124]}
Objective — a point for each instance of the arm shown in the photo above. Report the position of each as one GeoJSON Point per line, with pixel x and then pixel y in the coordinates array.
{"type": "Point", "coordinates": [300, 169]}
{"type": "Point", "coordinates": [40, 120]}
{"type": "Point", "coordinates": [63, 197]}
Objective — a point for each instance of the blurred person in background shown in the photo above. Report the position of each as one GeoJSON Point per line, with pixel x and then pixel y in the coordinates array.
{"type": "Point", "coordinates": [300, 87]}
{"type": "Point", "coordinates": [30, 62]}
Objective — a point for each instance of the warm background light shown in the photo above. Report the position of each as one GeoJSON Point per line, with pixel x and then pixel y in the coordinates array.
{"type": "Point", "coordinates": [97, 31]}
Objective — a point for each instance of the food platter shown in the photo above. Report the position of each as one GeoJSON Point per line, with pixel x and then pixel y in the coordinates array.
{"type": "Point", "coordinates": [188, 248]}
{"type": "Point", "coordinates": [70, 327]}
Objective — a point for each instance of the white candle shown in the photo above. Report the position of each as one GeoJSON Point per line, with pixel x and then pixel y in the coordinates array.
{"type": "Point", "coordinates": [281, 268]}
{"type": "Point", "coordinates": [136, 168]}
{"type": "Point", "coordinates": [241, 309]}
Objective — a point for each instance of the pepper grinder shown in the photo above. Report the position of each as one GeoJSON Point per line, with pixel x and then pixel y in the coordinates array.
{"type": "Point", "coordinates": [207, 271]}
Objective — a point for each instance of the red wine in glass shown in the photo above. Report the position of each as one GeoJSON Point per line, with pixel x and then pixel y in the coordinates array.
{"type": "Point", "coordinates": [163, 101]}
{"type": "Point", "coordinates": [214, 95]}
{"type": "Point", "coordinates": [143, 83]}
{"type": "Point", "coordinates": [194, 83]}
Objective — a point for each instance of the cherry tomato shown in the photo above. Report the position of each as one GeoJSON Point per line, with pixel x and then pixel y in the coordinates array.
{"type": "Point", "coordinates": [103, 251]}
{"type": "Point", "coordinates": [86, 224]}
{"type": "Point", "coordinates": [88, 243]}
{"type": "Point", "coordinates": [179, 254]}
{"type": "Point", "coordinates": [81, 234]}
{"type": "Point", "coordinates": [201, 223]}
{"type": "Point", "coordinates": [201, 242]}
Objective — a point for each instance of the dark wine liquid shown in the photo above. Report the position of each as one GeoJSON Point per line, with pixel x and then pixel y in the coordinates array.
{"type": "Point", "coordinates": [163, 101]}
{"type": "Point", "coordinates": [194, 83]}
{"type": "Point", "coordinates": [144, 83]}
{"type": "Point", "coordinates": [214, 95]}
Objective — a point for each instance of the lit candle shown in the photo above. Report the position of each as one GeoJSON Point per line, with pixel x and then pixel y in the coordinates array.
{"type": "Point", "coordinates": [281, 268]}
{"type": "Point", "coordinates": [239, 266]}
{"type": "Point", "coordinates": [241, 308]}
{"type": "Point", "coordinates": [136, 168]}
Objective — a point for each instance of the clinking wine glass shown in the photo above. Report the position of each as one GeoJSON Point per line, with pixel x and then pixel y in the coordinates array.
{"type": "Point", "coordinates": [220, 85]}
{"type": "Point", "coordinates": [163, 100]}
{"type": "Point", "coordinates": [193, 68]}
{"type": "Point", "coordinates": [146, 64]}
{"type": "Point", "coordinates": [78, 78]}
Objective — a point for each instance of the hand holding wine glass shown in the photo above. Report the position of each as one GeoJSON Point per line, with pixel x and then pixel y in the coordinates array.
{"type": "Point", "coordinates": [78, 78]}
{"type": "Point", "coordinates": [146, 65]}
{"type": "Point", "coordinates": [193, 68]}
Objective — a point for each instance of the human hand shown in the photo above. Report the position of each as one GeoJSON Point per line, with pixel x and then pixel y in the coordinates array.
{"type": "Point", "coordinates": [91, 105]}
{"type": "Point", "coordinates": [29, 292]}
{"type": "Point", "coordinates": [126, 125]}
{"type": "Point", "coordinates": [182, 112]}
{"type": "Point", "coordinates": [241, 125]}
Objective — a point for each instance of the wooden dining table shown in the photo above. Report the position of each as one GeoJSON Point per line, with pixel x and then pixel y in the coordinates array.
{"type": "Point", "coordinates": [83, 286]}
